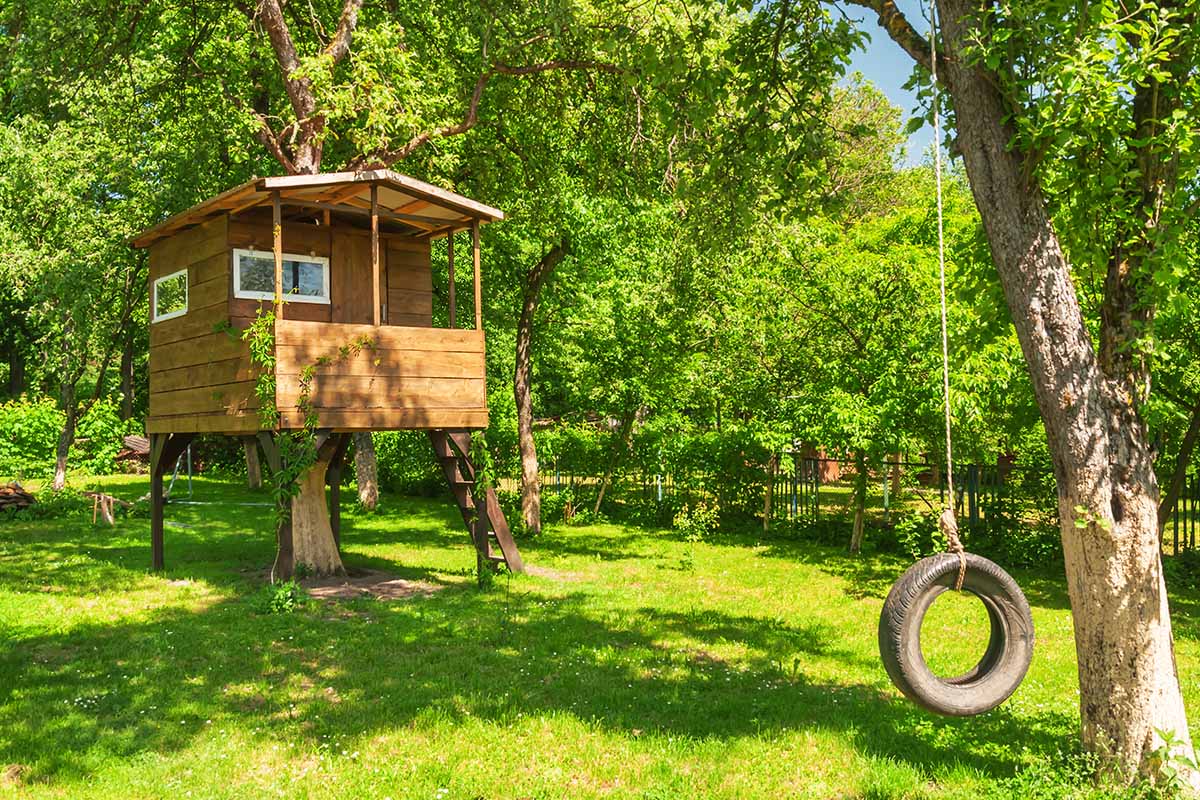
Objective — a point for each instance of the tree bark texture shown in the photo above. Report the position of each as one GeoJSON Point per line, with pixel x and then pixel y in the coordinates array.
{"type": "Point", "coordinates": [860, 502]}
{"type": "Point", "coordinates": [16, 370]}
{"type": "Point", "coordinates": [312, 536]}
{"type": "Point", "coordinates": [366, 471]}
{"type": "Point", "coordinates": [253, 467]}
{"type": "Point", "coordinates": [1103, 462]}
{"type": "Point", "coordinates": [531, 493]}
{"type": "Point", "coordinates": [127, 378]}
{"type": "Point", "coordinates": [66, 437]}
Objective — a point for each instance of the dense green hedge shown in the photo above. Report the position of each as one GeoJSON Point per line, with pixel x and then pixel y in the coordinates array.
{"type": "Point", "coordinates": [32, 427]}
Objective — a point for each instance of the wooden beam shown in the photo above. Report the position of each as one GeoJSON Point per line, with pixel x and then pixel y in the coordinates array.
{"type": "Point", "coordinates": [419, 224]}
{"type": "Point", "coordinates": [377, 312]}
{"type": "Point", "coordinates": [478, 287]}
{"type": "Point", "coordinates": [450, 271]}
{"type": "Point", "coordinates": [277, 247]}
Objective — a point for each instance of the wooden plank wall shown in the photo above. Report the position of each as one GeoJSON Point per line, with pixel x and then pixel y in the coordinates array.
{"type": "Point", "coordinates": [201, 379]}
{"type": "Point", "coordinates": [409, 283]}
{"type": "Point", "coordinates": [411, 378]}
{"type": "Point", "coordinates": [407, 277]}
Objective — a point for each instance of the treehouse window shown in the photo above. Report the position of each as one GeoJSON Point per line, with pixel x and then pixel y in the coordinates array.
{"type": "Point", "coordinates": [305, 278]}
{"type": "Point", "coordinates": [171, 295]}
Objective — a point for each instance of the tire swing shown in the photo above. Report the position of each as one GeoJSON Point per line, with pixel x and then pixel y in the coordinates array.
{"type": "Point", "coordinates": [1010, 642]}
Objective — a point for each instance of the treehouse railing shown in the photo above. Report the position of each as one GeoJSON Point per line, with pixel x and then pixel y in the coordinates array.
{"type": "Point", "coordinates": [366, 377]}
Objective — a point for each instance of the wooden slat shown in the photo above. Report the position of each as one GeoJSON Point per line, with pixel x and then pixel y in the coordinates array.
{"type": "Point", "coordinates": [197, 322]}
{"type": "Point", "coordinates": [408, 279]}
{"type": "Point", "coordinates": [310, 312]}
{"type": "Point", "coordinates": [350, 278]}
{"type": "Point", "coordinates": [478, 279]}
{"type": "Point", "coordinates": [393, 419]}
{"type": "Point", "coordinates": [209, 373]}
{"type": "Point", "coordinates": [226, 398]}
{"type": "Point", "coordinates": [203, 294]}
{"type": "Point", "coordinates": [290, 359]}
{"type": "Point", "coordinates": [418, 304]}
{"type": "Point", "coordinates": [410, 320]}
{"type": "Point", "coordinates": [376, 266]}
{"type": "Point", "coordinates": [188, 247]}
{"type": "Point", "coordinates": [384, 391]}
{"type": "Point", "coordinates": [386, 337]}
{"type": "Point", "coordinates": [231, 424]}
{"type": "Point", "coordinates": [254, 233]}
{"type": "Point", "coordinates": [200, 350]}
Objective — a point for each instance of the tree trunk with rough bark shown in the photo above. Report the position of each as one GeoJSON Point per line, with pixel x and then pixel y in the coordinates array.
{"type": "Point", "coordinates": [769, 491]}
{"type": "Point", "coordinates": [127, 378]}
{"type": "Point", "coordinates": [66, 437]}
{"type": "Point", "coordinates": [312, 537]}
{"type": "Point", "coordinates": [531, 495]}
{"type": "Point", "coordinates": [16, 370]}
{"type": "Point", "coordinates": [366, 470]}
{"type": "Point", "coordinates": [860, 502]}
{"type": "Point", "coordinates": [1103, 462]}
{"type": "Point", "coordinates": [253, 467]}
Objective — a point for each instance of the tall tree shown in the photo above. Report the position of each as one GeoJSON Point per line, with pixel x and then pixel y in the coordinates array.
{"type": "Point", "coordinates": [1064, 120]}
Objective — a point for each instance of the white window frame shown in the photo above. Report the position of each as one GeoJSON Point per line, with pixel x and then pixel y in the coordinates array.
{"type": "Point", "coordinates": [155, 316]}
{"type": "Point", "coordinates": [247, 294]}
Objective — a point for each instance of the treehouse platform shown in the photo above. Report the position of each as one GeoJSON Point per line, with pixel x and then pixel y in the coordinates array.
{"type": "Point", "coordinates": [316, 296]}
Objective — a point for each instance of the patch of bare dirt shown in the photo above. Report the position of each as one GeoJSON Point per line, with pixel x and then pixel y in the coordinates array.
{"type": "Point", "coordinates": [368, 583]}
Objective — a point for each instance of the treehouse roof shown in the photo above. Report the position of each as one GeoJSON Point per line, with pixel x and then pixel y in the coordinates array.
{"type": "Point", "coordinates": [424, 208]}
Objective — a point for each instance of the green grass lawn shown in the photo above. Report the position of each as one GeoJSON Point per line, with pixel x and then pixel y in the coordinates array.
{"type": "Point", "coordinates": [609, 672]}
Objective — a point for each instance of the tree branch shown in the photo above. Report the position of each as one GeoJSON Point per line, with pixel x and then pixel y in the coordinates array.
{"type": "Point", "coordinates": [299, 89]}
{"type": "Point", "coordinates": [385, 158]}
{"type": "Point", "coordinates": [339, 46]}
{"type": "Point", "coordinates": [900, 30]}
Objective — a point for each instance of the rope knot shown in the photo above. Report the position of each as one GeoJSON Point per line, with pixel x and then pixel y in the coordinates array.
{"type": "Point", "coordinates": [949, 526]}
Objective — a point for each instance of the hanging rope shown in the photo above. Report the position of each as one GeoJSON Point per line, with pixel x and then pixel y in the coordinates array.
{"type": "Point", "coordinates": [947, 521]}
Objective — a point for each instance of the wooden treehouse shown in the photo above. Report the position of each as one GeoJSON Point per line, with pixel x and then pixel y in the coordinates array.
{"type": "Point", "coordinates": [344, 262]}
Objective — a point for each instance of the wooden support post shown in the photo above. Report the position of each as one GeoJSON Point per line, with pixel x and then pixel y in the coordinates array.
{"type": "Point", "coordinates": [277, 248]}
{"type": "Point", "coordinates": [450, 271]}
{"type": "Point", "coordinates": [164, 449]}
{"type": "Point", "coordinates": [375, 252]}
{"type": "Point", "coordinates": [156, 500]}
{"type": "Point", "coordinates": [478, 288]}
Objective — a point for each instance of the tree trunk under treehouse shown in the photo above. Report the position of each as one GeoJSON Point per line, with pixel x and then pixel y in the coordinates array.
{"type": "Point", "coordinates": [366, 470]}
{"type": "Point", "coordinates": [312, 535]}
{"type": "Point", "coordinates": [253, 467]}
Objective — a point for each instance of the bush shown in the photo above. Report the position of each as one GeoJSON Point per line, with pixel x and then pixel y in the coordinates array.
{"type": "Point", "coordinates": [282, 598]}
{"type": "Point", "coordinates": [406, 464]}
{"type": "Point", "coordinates": [98, 438]}
{"type": "Point", "coordinates": [31, 429]}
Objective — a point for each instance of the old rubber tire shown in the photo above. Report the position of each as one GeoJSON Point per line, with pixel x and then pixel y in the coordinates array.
{"type": "Point", "coordinates": [1010, 645]}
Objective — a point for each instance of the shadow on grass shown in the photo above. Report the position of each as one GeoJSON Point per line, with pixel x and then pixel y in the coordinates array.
{"type": "Point", "coordinates": [127, 689]}
{"type": "Point", "coordinates": [363, 667]}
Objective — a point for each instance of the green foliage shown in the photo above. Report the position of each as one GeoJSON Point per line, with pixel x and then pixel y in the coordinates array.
{"type": "Point", "coordinates": [695, 524]}
{"type": "Point", "coordinates": [406, 464]}
{"type": "Point", "coordinates": [31, 428]}
{"type": "Point", "coordinates": [99, 435]}
{"type": "Point", "coordinates": [284, 597]}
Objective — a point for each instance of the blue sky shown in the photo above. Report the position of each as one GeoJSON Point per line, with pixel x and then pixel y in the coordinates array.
{"type": "Point", "coordinates": [888, 67]}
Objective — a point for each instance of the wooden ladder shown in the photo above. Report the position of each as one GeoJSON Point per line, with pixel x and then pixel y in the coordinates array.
{"type": "Point", "coordinates": [453, 449]}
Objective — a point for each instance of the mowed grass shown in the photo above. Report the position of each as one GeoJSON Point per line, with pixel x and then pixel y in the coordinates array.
{"type": "Point", "coordinates": [609, 672]}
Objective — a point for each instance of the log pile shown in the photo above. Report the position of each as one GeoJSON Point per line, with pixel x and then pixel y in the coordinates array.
{"type": "Point", "coordinates": [13, 496]}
